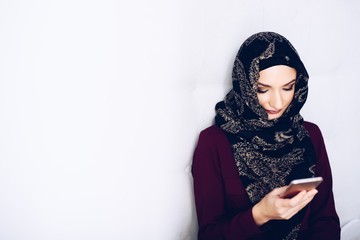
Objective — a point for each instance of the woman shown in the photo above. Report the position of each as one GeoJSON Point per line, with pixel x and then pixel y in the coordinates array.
{"type": "Point", "coordinates": [259, 143]}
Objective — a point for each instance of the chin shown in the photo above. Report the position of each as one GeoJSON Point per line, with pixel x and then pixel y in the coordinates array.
{"type": "Point", "coordinates": [272, 117]}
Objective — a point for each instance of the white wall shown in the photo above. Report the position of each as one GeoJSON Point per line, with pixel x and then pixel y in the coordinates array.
{"type": "Point", "coordinates": [101, 103]}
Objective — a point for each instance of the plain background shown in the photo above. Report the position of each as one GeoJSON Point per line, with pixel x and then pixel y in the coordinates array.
{"type": "Point", "coordinates": [101, 104]}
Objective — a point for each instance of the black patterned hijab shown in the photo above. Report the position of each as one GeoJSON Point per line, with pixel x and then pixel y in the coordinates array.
{"type": "Point", "coordinates": [268, 153]}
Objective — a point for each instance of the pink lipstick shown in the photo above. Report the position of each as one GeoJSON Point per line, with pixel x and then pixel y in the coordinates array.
{"type": "Point", "coordinates": [273, 111]}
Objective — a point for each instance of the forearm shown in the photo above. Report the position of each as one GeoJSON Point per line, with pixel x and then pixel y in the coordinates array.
{"type": "Point", "coordinates": [326, 228]}
{"type": "Point", "coordinates": [241, 227]}
{"type": "Point", "coordinates": [325, 223]}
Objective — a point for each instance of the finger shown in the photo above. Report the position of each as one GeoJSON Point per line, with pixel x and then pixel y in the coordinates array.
{"type": "Point", "coordinates": [312, 192]}
{"type": "Point", "coordinates": [295, 205]}
{"type": "Point", "coordinates": [279, 191]}
{"type": "Point", "coordinates": [297, 199]}
{"type": "Point", "coordinates": [306, 200]}
{"type": "Point", "coordinates": [292, 211]}
{"type": "Point", "coordinates": [310, 196]}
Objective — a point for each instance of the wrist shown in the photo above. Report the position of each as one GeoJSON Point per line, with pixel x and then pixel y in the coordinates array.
{"type": "Point", "coordinates": [258, 215]}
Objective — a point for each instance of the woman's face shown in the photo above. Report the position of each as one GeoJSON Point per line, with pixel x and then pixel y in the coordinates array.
{"type": "Point", "coordinates": [275, 92]}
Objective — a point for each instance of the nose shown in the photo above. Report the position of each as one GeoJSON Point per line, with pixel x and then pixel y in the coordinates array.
{"type": "Point", "coordinates": [276, 100]}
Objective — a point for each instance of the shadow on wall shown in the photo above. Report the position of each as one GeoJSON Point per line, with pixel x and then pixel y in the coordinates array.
{"type": "Point", "coordinates": [192, 228]}
{"type": "Point", "coordinates": [351, 230]}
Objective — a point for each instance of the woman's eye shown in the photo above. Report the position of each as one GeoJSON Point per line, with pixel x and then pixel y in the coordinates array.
{"type": "Point", "coordinates": [261, 90]}
{"type": "Point", "coordinates": [289, 88]}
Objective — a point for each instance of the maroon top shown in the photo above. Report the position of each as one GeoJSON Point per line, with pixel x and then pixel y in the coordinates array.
{"type": "Point", "coordinates": [223, 208]}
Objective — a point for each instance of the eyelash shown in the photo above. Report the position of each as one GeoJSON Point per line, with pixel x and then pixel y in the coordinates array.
{"type": "Point", "coordinates": [289, 88]}
{"type": "Point", "coordinates": [285, 89]}
{"type": "Point", "coordinates": [261, 91]}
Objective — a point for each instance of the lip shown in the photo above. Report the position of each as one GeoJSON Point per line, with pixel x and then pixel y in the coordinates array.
{"type": "Point", "coordinates": [273, 111]}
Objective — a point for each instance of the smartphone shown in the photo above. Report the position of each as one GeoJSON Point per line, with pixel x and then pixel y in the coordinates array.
{"type": "Point", "coordinates": [299, 185]}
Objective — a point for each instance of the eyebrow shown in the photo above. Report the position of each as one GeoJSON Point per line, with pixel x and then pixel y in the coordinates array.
{"type": "Point", "coordinates": [289, 83]}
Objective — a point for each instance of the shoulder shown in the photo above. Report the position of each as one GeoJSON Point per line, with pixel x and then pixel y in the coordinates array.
{"type": "Point", "coordinates": [212, 131]}
{"type": "Point", "coordinates": [207, 150]}
{"type": "Point", "coordinates": [213, 136]}
{"type": "Point", "coordinates": [316, 137]}
{"type": "Point", "coordinates": [311, 127]}
{"type": "Point", "coordinates": [314, 130]}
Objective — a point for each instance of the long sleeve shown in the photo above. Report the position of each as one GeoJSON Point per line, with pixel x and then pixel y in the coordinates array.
{"type": "Point", "coordinates": [323, 221]}
{"type": "Point", "coordinates": [223, 207]}
{"type": "Point", "coordinates": [216, 219]}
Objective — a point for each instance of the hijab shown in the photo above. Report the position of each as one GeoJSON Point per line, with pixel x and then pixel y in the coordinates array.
{"type": "Point", "coordinates": [268, 153]}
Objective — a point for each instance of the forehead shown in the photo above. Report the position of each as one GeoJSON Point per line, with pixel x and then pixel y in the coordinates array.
{"type": "Point", "coordinates": [277, 75]}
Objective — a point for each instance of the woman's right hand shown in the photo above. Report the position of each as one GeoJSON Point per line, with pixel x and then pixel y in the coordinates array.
{"type": "Point", "coordinates": [272, 206]}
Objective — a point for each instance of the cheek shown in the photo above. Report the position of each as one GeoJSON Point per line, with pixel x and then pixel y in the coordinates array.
{"type": "Point", "coordinates": [263, 99]}
{"type": "Point", "coordinates": [288, 98]}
